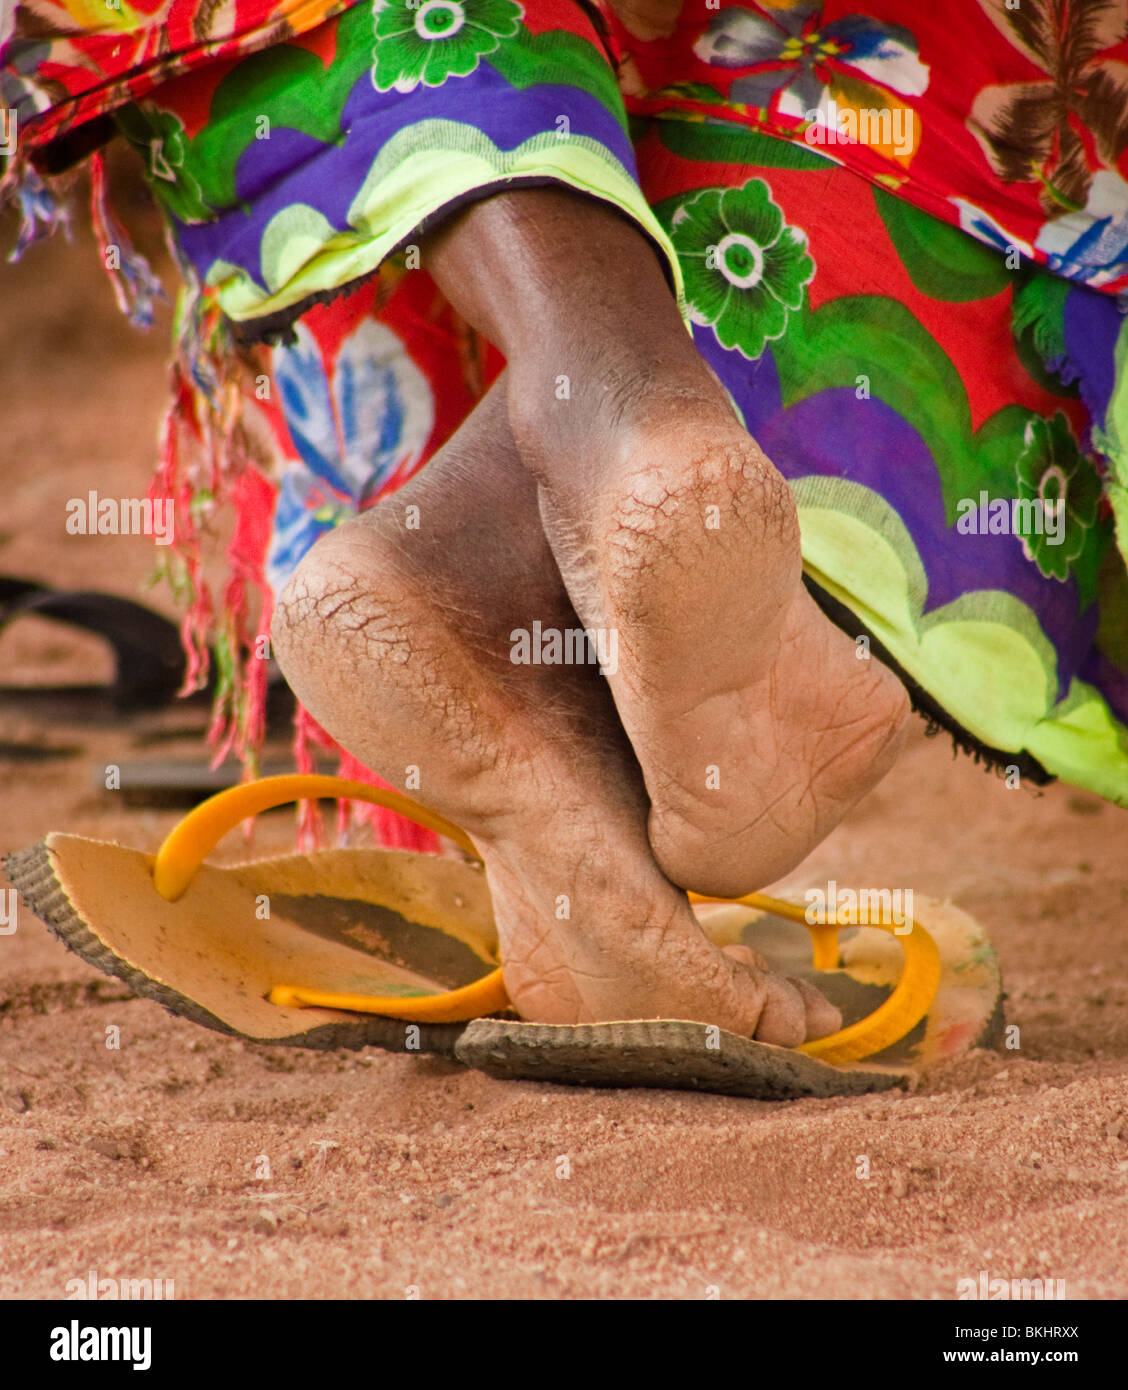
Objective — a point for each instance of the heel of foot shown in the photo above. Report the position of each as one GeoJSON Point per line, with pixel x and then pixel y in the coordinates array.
{"type": "Point", "coordinates": [709, 490]}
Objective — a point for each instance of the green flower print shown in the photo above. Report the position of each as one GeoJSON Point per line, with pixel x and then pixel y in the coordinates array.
{"type": "Point", "coordinates": [744, 267]}
{"type": "Point", "coordinates": [427, 41]}
{"type": "Point", "coordinates": [1053, 470]}
{"type": "Point", "coordinates": [160, 139]}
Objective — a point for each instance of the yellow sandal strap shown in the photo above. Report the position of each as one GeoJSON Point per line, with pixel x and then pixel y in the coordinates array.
{"type": "Point", "coordinates": [190, 842]}
{"type": "Point", "coordinates": [890, 1021]}
{"type": "Point", "coordinates": [485, 996]}
{"type": "Point", "coordinates": [193, 839]}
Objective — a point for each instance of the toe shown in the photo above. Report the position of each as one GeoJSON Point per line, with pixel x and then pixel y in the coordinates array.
{"type": "Point", "coordinates": [821, 1015]}
{"type": "Point", "coordinates": [792, 1006]}
{"type": "Point", "coordinates": [783, 1016]}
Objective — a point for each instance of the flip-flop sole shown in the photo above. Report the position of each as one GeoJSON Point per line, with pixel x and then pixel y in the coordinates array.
{"type": "Point", "coordinates": [211, 960]}
{"type": "Point", "coordinates": [666, 1054]}
{"type": "Point", "coordinates": [149, 660]}
{"type": "Point", "coordinates": [382, 922]}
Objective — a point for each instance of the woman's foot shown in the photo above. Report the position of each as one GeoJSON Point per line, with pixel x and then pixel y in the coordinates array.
{"type": "Point", "coordinates": [400, 641]}
{"type": "Point", "coordinates": [754, 722]}
{"type": "Point", "coordinates": [755, 725]}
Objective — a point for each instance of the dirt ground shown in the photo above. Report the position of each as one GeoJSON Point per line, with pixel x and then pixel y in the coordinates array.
{"type": "Point", "coordinates": [389, 1174]}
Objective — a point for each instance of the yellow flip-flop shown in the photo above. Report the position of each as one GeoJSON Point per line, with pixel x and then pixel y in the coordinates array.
{"type": "Point", "coordinates": [398, 949]}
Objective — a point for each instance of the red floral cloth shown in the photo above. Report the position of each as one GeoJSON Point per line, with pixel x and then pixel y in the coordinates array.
{"type": "Point", "coordinates": [67, 61]}
{"type": "Point", "coordinates": [1008, 120]}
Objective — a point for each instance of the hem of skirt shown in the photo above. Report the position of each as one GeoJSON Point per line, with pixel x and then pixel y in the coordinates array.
{"type": "Point", "coordinates": [419, 207]}
{"type": "Point", "coordinates": [278, 327]}
{"type": "Point", "coordinates": [997, 759]}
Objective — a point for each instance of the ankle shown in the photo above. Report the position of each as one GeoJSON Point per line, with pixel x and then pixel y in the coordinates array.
{"type": "Point", "coordinates": [551, 265]}
{"type": "Point", "coordinates": [579, 414]}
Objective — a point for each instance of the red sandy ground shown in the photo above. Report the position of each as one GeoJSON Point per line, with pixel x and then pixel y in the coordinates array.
{"type": "Point", "coordinates": [141, 1162]}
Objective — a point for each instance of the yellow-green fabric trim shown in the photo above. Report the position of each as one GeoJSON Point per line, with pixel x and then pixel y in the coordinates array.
{"type": "Point", "coordinates": [983, 657]}
{"type": "Point", "coordinates": [419, 172]}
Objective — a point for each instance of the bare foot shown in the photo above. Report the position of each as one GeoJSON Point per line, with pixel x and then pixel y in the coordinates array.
{"type": "Point", "coordinates": [399, 641]}
{"type": "Point", "coordinates": [755, 726]}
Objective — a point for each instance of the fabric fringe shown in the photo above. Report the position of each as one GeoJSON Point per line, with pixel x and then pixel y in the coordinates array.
{"type": "Point", "coordinates": [207, 470]}
{"type": "Point", "coordinates": [136, 288]}
{"type": "Point", "coordinates": [390, 829]}
{"type": "Point", "coordinates": [41, 213]}
{"type": "Point", "coordinates": [211, 469]}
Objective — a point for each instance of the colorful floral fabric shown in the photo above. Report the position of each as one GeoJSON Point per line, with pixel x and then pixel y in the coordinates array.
{"type": "Point", "coordinates": [744, 268]}
{"type": "Point", "coordinates": [357, 410]}
{"type": "Point", "coordinates": [308, 165]}
{"type": "Point", "coordinates": [1009, 120]}
{"type": "Point", "coordinates": [915, 318]}
{"type": "Point", "coordinates": [430, 40]}
{"type": "Point", "coordinates": [914, 453]}
{"type": "Point", "coordinates": [1053, 472]}
{"type": "Point", "coordinates": [64, 62]}
{"type": "Point", "coordinates": [797, 62]}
